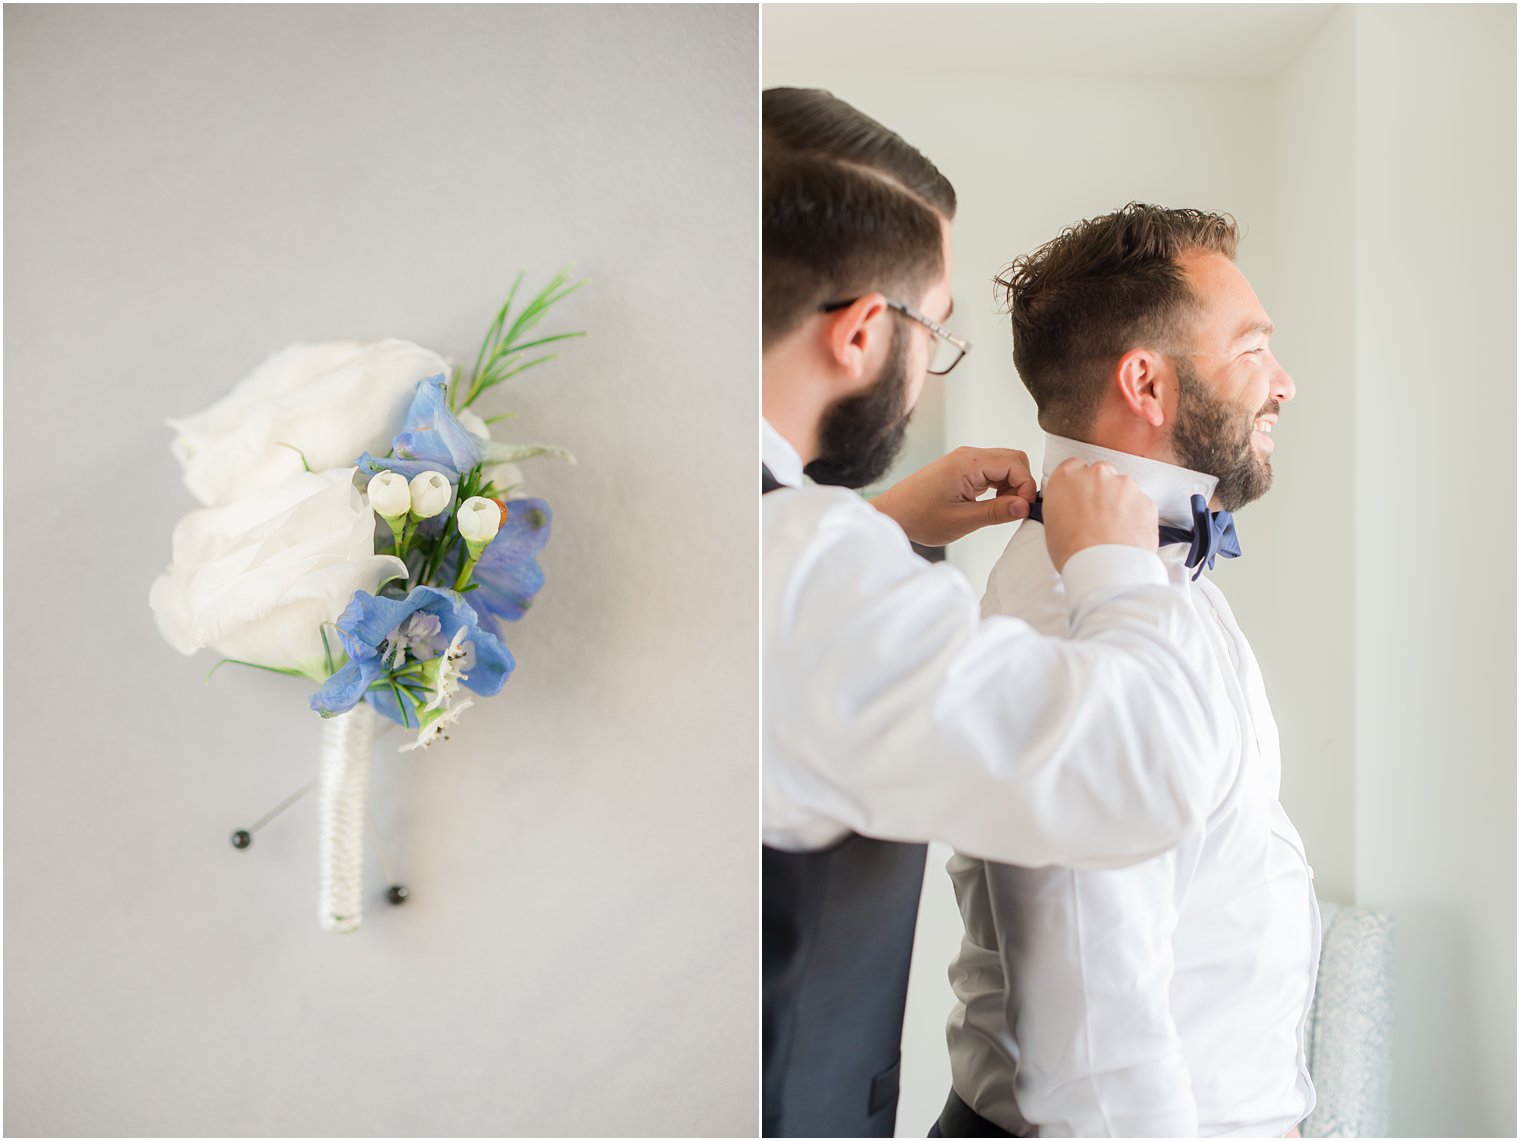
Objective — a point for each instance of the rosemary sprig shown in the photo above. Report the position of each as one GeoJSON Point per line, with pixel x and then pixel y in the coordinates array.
{"type": "Point", "coordinates": [501, 353]}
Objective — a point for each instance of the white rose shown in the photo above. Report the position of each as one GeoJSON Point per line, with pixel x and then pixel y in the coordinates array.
{"type": "Point", "coordinates": [256, 579]}
{"type": "Point", "coordinates": [328, 402]}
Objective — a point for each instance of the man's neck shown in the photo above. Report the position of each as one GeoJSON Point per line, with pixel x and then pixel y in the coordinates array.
{"type": "Point", "coordinates": [1125, 433]}
{"type": "Point", "coordinates": [779, 457]}
{"type": "Point", "coordinates": [789, 399]}
{"type": "Point", "coordinates": [1131, 437]}
{"type": "Point", "coordinates": [793, 430]}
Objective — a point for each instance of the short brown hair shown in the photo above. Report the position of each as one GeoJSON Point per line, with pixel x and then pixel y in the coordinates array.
{"type": "Point", "coordinates": [848, 207]}
{"type": "Point", "coordinates": [1101, 288]}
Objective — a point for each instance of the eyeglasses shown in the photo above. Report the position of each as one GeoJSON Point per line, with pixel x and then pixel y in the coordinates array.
{"type": "Point", "coordinates": [948, 348]}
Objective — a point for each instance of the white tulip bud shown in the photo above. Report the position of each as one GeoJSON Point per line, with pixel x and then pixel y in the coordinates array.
{"type": "Point", "coordinates": [390, 495]}
{"type": "Point", "coordinates": [431, 494]}
{"type": "Point", "coordinates": [479, 520]}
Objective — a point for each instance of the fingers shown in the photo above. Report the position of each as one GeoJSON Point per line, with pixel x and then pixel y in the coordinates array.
{"type": "Point", "coordinates": [1005, 507]}
{"type": "Point", "coordinates": [1019, 478]}
{"type": "Point", "coordinates": [1068, 468]}
{"type": "Point", "coordinates": [965, 518]}
{"type": "Point", "coordinates": [992, 512]}
{"type": "Point", "coordinates": [1094, 505]}
{"type": "Point", "coordinates": [1015, 503]}
{"type": "Point", "coordinates": [943, 501]}
{"type": "Point", "coordinates": [1002, 468]}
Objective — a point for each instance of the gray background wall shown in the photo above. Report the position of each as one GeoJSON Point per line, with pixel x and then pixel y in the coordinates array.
{"type": "Point", "coordinates": [1369, 152]}
{"type": "Point", "coordinates": [188, 189]}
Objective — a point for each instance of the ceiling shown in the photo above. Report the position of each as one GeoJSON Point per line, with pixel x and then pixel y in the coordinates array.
{"type": "Point", "coordinates": [1179, 41]}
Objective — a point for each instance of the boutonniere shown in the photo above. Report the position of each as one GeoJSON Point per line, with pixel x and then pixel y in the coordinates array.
{"type": "Point", "coordinates": [361, 529]}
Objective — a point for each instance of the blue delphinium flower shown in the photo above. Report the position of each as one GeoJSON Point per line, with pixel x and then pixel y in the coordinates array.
{"type": "Point", "coordinates": [431, 438]}
{"type": "Point", "coordinates": [508, 573]}
{"type": "Point", "coordinates": [415, 641]}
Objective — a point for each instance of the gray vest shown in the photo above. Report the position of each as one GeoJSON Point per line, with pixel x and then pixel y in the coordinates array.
{"type": "Point", "coordinates": [837, 942]}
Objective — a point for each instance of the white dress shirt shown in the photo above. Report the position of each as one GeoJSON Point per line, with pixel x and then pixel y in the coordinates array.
{"type": "Point", "coordinates": [1166, 999]}
{"type": "Point", "coordinates": [891, 709]}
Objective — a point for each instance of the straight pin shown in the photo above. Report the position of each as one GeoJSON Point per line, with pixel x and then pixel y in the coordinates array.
{"type": "Point", "coordinates": [243, 837]}
{"type": "Point", "coordinates": [396, 894]}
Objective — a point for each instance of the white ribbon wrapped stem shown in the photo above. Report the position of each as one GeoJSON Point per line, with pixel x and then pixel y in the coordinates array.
{"type": "Point", "coordinates": [347, 751]}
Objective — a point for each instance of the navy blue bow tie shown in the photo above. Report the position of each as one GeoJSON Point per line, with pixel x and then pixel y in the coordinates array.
{"type": "Point", "coordinates": [1211, 536]}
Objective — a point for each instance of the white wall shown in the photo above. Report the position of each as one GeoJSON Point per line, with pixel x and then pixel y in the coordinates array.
{"type": "Point", "coordinates": [1373, 171]}
{"type": "Point", "coordinates": [1396, 162]}
{"type": "Point", "coordinates": [1435, 546]}
{"type": "Point", "coordinates": [1297, 605]}
{"type": "Point", "coordinates": [189, 188]}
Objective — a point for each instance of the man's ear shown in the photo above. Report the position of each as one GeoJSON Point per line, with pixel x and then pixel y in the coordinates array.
{"type": "Point", "coordinates": [1145, 380]}
{"type": "Point", "coordinates": [850, 334]}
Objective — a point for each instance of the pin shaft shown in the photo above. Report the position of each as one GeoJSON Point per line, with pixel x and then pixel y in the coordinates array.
{"type": "Point", "coordinates": [283, 805]}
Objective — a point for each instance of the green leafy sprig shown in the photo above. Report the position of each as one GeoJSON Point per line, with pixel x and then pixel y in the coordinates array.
{"type": "Point", "coordinates": [502, 352]}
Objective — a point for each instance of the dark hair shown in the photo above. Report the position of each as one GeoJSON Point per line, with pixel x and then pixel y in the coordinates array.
{"type": "Point", "coordinates": [1101, 288]}
{"type": "Point", "coordinates": [849, 207]}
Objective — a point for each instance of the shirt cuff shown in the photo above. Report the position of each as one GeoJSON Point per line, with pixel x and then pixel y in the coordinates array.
{"type": "Point", "coordinates": [1102, 570]}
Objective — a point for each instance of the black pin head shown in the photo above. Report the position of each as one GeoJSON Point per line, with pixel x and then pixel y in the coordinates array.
{"type": "Point", "coordinates": [396, 894]}
{"type": "Point", "coordinates": [242, 838]}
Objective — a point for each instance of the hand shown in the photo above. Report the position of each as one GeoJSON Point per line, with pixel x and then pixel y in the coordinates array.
{"type": "Point", "coordinates": [941, 502]}
{"type": "Point", "coordinates": [1089, 506]}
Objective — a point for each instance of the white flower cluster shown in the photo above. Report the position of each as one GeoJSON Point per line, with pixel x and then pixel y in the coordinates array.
{"type": "Point", "coordinates": [394, 497]}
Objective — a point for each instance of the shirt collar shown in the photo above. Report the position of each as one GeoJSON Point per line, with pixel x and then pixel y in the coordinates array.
{"type": "Point", "coordinates": [1171, 487]}
{"type": "Point", "coordinates": [780, 456]}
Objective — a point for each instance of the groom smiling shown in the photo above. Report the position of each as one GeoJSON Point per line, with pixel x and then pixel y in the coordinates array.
{"type": "Point", "coordinates": [1169, 998]}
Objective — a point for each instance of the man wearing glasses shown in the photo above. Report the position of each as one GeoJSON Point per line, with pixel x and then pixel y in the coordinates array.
{"type": "Point", "coordinates": [892, 713]}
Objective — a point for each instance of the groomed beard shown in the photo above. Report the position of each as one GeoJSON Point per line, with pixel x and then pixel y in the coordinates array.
{"type": "Point", "coordinates": [1208, 436]}
{"type": "Point", "coordinates": [862, 434]}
